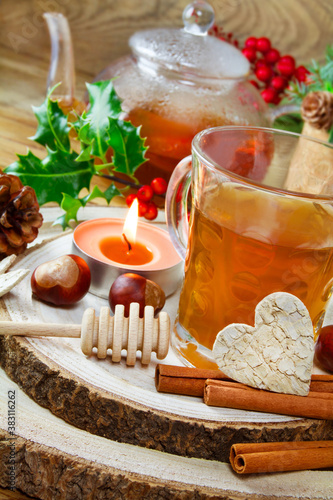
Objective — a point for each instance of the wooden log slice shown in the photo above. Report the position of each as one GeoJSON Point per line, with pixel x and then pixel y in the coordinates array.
{"type": "Point", "coordinates": [53, 460]}
{"type": "Point", "coordinates": [120, 402]}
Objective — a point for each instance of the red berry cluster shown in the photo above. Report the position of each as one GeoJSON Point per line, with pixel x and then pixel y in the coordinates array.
{"type": "Point", "coordinates": [273, 72]}
{"type": "Point", "coordinates": [147, 207]}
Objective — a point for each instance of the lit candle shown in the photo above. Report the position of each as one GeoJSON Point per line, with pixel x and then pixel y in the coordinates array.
{"type": "Point", "coordinates": [125, 249]}
{"type": "Point", "coordinates": [111, 248]}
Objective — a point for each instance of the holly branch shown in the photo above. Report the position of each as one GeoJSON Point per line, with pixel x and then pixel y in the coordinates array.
{"type": "Point", "coordinates": [99, 132]}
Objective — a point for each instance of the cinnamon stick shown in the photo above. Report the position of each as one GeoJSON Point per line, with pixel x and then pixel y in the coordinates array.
{"type": "Point", "coordinates": [248, 458]}
{"type": "Point", "coordinates": [321, 383]}
{"type": "Point", "coordinates": [184, 380]}
{"type": "Point", "coordinates": [233, 395]}
{"type": "Point", "coordinates": [191, 381]}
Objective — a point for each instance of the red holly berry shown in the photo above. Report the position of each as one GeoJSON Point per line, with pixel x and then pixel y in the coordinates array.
{"type": "Point", "coordinates": [269, 95]}
{"type": "Point", "coordinates": [152, 211]}
{"type": "Point", "coordinates": [250, 54]}
{"type": "Point", "coordinates": [145, 193]}
{"type": "Point", "coordinates": [301, 73]}
{"type": "Point", "coordinates": [263, 44]}
{"type": "Point", "coordinates": [277, 100]}
{"type": "Point", "coordinates": [278, 83]}
{"type": "Point", "coordinates": [129, 199]}
{"type": "Point", "coordinates": [251, 42]}
{"type": "Point", "coordinates": [260, 64]}
{"type": "Point", "coordinates": [272, 56]}
{"type": "Point", "coordinates": [288, 59]}
{"type": "Point", "coordinates": [159, 185]}
{"type": "Point", "coordinates": [286, 66]}
{"type": "Point", "coordinates": [142, 208]}
{"type": "Point", "coordinates": [264, 73]}
{"type": "Point", "coordinates": [273, 72]}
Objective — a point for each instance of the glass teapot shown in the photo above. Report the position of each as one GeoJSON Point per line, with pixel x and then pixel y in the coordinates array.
{"type": "Point", "coordinates": [175, 83]}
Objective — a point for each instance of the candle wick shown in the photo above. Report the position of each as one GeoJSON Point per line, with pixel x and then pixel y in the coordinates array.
{"type": "Point", "coordinates": [128, 243]}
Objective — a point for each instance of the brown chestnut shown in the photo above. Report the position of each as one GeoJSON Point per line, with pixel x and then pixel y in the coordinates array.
{"type": "Point", "coordinates": [130, 287]}
{"type": "Point", "coordinates": [324, 347]}
{"type": "Point", "coordinates": [62, 281]}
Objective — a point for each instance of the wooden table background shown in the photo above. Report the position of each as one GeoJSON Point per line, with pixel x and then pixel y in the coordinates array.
{"type": "Point", "coordinates": [100, 30]}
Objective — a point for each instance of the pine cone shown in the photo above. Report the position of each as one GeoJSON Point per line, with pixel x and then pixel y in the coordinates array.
{"type": "Point", "coordinates": [19, 215]}
{"type": "Point", "coordinates": [317, 109]}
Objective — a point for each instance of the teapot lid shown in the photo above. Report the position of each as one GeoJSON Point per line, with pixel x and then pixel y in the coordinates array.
{"type": "Point", "coordinates": [191, 50]}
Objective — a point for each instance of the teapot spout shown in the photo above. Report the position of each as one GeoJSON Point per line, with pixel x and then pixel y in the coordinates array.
{"type": "Point", "coordinates": [62, 58]}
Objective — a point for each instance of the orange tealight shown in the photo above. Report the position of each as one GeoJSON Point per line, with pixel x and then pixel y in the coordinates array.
{"type": "Point", "coordinates": [112, 247]}
{"type": "Point", "coordinates": [115, 248]}
{"type": "Point", "coordinates": [104, 245]}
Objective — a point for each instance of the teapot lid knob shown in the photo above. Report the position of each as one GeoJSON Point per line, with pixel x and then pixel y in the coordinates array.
{"type": "Point", "coordinates": [198, 17]}
{"type": "Point", "coordinates": [191, 50]}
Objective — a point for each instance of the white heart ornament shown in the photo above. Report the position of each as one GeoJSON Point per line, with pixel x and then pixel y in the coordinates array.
{"type": "Point", "coordinates": [277, 353]}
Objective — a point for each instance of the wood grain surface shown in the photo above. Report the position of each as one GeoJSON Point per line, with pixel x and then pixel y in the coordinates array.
{"type": "Point", "coordinates": [101, 30]}
{"type": "Point", "coordinates": [56, 461]}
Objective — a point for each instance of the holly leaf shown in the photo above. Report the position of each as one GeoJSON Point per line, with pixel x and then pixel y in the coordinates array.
{"type": "Point", "coordinates": [63, 173]}
{"type": "Point", "coordinates": [29, 168]}
{"type": "Point", "coordinates": [128, 146]}
{"type": "Point", "coordinates": [107, 195]}
{"type": "Point", "coordinates": [72, 205]}
{"type": "Point", "coordinates": [85, 154]}
{"type": "Point", "coordinates": [53, 128]}
{"type": "Point", "coordinates": [57, 173]}
{"type": "Point", "coordinates": [92, 127]}
{"type": "Point", "coordinates": [111, 192]}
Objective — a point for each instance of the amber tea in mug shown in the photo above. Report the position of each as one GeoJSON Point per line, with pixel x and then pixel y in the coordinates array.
{"type": "Point", "coordinates": [248, 235]}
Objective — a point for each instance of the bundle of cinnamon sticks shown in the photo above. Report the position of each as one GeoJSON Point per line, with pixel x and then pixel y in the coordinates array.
{"type": "Point", "coordinates": [219, 390]}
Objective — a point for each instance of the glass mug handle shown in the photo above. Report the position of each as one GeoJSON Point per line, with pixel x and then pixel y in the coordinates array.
{"type": "Point", "coordinates": [176, 205]}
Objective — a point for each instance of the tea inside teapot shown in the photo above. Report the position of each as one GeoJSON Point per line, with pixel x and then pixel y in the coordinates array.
{"type": "Point", "coordinates": [178, 82]}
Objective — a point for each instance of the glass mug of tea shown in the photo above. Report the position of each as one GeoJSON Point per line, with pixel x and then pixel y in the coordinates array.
{"type": "Point", "coordinates": [261, 221]}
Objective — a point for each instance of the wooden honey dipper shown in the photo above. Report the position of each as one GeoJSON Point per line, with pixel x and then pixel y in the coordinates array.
{"type": "Point", "coordinates": [147, 334]}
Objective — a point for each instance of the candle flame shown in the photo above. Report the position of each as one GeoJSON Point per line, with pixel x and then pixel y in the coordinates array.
{"type": "Point", "coordinates": [131, 222]}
